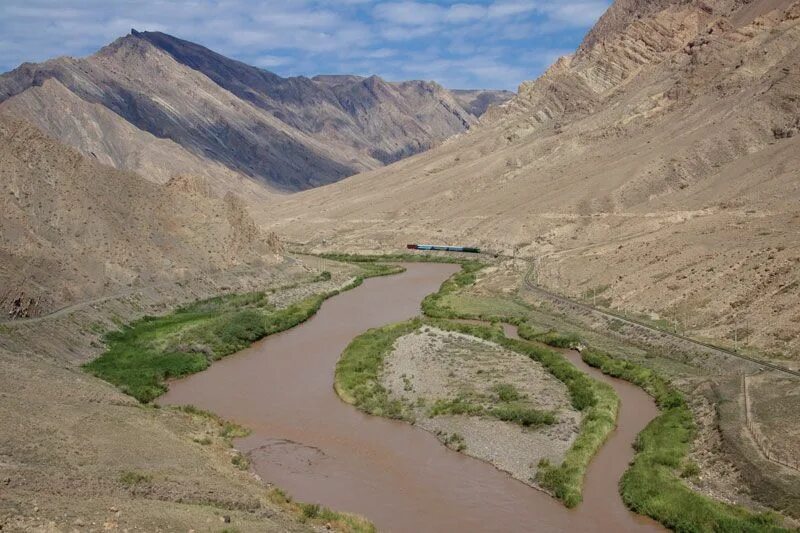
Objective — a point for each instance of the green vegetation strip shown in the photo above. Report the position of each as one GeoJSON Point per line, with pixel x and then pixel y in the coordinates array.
{"type": "Point", "coordinates": [142, 355]}
{"type": "Point", "coordinates": [317, 515]}
{"type": "Point", "coordinates": [651, 486]}
{"type": "Point", "coordinates": [356, 377]}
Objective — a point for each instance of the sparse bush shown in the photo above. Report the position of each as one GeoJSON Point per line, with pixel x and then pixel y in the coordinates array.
{"type": "Point", "coordinates": [690, 469]}
{"type": "Point", "coordinates": [310, 510]}
{"type": "Point", "coordinates": [455, 406]}
{"type": "Point", "coordinates": [240, 461]}
{"type": "Point", "coordinates": [132, 478]}
{"type": "Point", "coordinates": [506, 392]}
{"type": "Point", "coordinates": [456, 441]}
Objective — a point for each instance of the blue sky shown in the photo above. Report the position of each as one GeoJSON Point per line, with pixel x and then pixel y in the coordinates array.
{"type": "Point", "coordinates": [464, 44]}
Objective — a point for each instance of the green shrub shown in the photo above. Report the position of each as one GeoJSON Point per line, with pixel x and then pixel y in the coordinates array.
{"type": "Point", "coordinates": [506, 392]}
{"type": "Point", "coordinates": [559, 340]}
{"type": "Point", "coordinates": [522, 415]}
{"type": "Point", "coordinates": [240, 461]}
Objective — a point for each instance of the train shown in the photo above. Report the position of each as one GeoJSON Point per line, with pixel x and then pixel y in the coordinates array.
{"type": "Point", "coordinates": [441, 248]}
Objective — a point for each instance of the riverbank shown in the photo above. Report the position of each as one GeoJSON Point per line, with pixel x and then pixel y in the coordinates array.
{"type": "Point", "coordinates": [78, 454]}
{"type": "Point", "coordinates": [144, 354]}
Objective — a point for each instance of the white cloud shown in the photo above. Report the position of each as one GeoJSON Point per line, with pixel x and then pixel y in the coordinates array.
{"type": "Point", "coordinates": [491, 43]}
{"type": "Point", "coordinates": [465, 13]}
{"type": "Point", "coordinates": [410, 13]}
{"type": "Point", "coordinates": [269, 61]}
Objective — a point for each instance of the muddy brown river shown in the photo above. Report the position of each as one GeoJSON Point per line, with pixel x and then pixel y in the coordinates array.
{"type": "Point", "coordinates": [307, 441]}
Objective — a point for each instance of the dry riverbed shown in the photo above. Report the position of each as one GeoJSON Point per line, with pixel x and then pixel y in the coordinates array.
{"type": "Point", "coordinates": [431, 365]}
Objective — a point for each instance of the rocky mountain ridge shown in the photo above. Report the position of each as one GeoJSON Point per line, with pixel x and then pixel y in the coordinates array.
{"type": "Point", "coordinates": [658, 164]}
{"type": "Point", "coordinates": [202, 109]}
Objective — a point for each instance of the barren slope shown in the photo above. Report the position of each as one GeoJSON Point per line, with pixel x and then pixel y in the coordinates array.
{"type": "Point", "coordinates": [657, 166]}
{"type": "Point", "coordinates": [98, 132]}
{"type": "Point", "coordinates": [73, 229]}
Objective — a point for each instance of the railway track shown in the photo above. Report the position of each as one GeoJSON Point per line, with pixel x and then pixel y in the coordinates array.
{"type": "Point", "coordinates": [530, 285]}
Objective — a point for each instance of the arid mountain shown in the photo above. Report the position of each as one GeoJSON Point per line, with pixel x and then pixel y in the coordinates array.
{"type": "Point", "coordinates": [656, 167]}
{"type": "Point", "coordinates": [98, 132]}
{"type": "Point", "coordinates": [73, 229]}
{"type": "Point", "coordinates": [158, 105]}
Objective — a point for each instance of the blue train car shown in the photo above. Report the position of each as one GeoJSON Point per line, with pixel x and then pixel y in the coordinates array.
{"type": "Point", "coordinates": [441, 248]}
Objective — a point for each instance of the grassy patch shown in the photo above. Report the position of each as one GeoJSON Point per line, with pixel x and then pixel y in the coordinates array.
{"type": "Point", "coordinates": [318, 515]}
{"type": "Point", "coordinates": [652, 485]}
{"type": "Point", "coordinates": [356, 377]}
{"type": "Point", "coordinates": [433, 305]}
{"type": "Point", "coordinates": [227, 430]}
{"type": "Point", "coordinates": [509, 410]}
{"type": "Point", "coordinates": [143, 355]}
{"type": "Point", "coordinates": [506, 392]}
{"type": "Point", "coordinates": [551, 337]}
{"type": "Point", "coordinates": [521, 414]}
{"type": "Point", "coordinates": [455, 406]}
{"type": "Point", "coordinates": [482, 307]}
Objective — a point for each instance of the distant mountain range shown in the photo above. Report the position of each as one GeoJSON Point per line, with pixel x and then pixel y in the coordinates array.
{"type": "Point", "coordinates": [162, 106]}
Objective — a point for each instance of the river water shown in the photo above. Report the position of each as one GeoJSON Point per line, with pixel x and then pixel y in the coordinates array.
{"type": "Point", "coordinates": [308, 442]}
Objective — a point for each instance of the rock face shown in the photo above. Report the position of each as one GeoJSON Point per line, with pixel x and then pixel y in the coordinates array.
{"type": "Point", "coordinates": [73, 229]}
{"type": "Point", "coordinates": [478, 102]}
{"type": "Point", "coordinates": [158, 105]}
{"type": "Point", "coordinates": [657, 164]}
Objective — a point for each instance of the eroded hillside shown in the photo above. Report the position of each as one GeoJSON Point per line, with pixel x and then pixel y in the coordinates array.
{"type": "Point", "coordinates": [654, 170]}
{"type": "Point", "coordinates": [72, 229]}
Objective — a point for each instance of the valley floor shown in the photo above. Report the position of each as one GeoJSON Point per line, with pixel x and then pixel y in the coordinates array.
{"type": "Point", "coordinates": [78, 453]}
